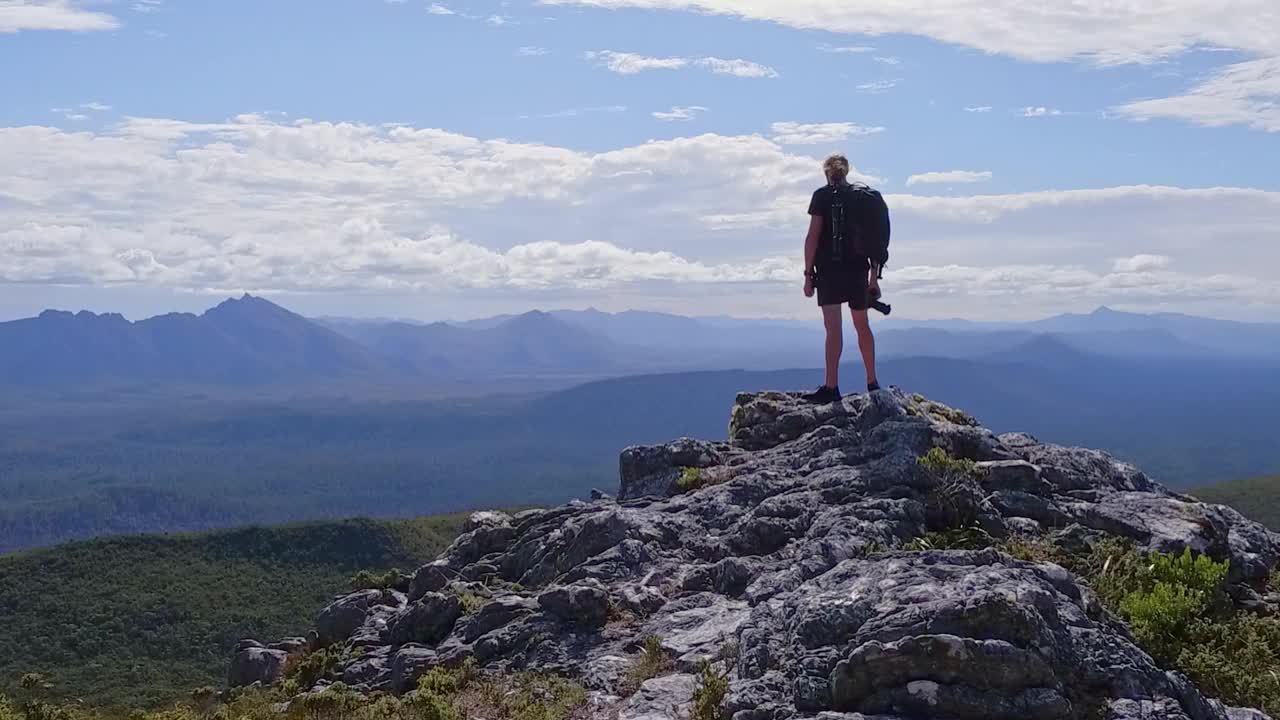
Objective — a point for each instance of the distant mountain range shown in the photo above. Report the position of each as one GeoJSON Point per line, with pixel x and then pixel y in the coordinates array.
{"type": "Point", "coordinates": [251, 342]}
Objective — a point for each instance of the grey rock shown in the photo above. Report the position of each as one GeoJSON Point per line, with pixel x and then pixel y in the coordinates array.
{"type": "Point", "coordinates": [663, 698]}
{"type": "Point", "coordinates": [653, 471]}
{"type": "Point", "coordinates": [585, 602]}
{"type": "Point", "coordinates": [256, 665]}
{"type": "Point", "coordinates": [787, 569]}
{"type": "Point", "coordinates": [290, 645]}
{"type": "Point", "coordinates": [408, 664]}
{"type": "Point", "coordinates": [427, 620]}
{"type": "Point", "coordinates": [486, 519]}
{"type": "Point", "coordinates": [345, 615]}
{"type": "Point", "coordinates": [372, 670]}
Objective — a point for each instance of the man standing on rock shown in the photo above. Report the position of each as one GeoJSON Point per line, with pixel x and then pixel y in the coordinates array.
{"type": "Point", "coordinates": [847, 244]}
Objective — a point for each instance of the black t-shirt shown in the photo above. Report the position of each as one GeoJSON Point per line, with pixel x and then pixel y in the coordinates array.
{"type": "Point", "coordinates": [837, 205]}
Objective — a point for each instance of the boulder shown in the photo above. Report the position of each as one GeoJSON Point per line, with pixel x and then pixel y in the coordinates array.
{"type": "Point", "coordinates": [256, 664]}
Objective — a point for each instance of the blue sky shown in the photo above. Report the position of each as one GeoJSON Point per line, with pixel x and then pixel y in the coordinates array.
{"type": "Point", "coordinates": [455, 159]}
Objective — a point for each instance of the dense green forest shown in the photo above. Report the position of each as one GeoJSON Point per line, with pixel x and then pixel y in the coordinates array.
{"type": "Point", "coordinates": [1257, 498]}
{"type": "Point", "coordinates": [140, 621]}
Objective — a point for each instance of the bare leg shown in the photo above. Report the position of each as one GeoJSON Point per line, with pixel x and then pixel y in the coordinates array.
{"type": "Point", "coordinates": [866, 342]}
{"type": "Point", "coordinates": [834, 320]}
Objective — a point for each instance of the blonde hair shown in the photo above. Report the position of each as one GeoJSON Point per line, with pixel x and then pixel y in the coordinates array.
{"type": "Point", "coordinates": [836, 167]}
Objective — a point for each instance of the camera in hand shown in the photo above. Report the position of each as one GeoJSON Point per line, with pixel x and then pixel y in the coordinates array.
{"type": "Point", "coordinates": [881, 307]}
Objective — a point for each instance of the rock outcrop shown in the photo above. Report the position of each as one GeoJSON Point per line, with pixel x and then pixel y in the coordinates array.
{"type": "Point", "coordinates": [785, 549]}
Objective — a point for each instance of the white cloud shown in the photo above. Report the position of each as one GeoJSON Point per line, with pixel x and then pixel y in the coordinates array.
{"type": "Point", "coordinates": [737, 68]}
{"type": "Point", "coordinates": [1041, 111]}
{"type": "Point", "coordinates": [1141, 263]}
{"type": "Point", "coordinates": [531, 51]}
{"type": "Point", "coordinates": [680, 113]}
{"type": "Point", "coordinates": [888, 60]}
{"type": "Point", "coordinates": [19, 15]}
{"type": "Point", "coordinates": [978, 109]}
{"type": "Point", "coordinates": [1102, 31]}
{"type": "Point", "coordinates": [950, 176]}
{"type": "Point", "coordinates": [262, 204]}
{"type": "Point", "coordinates": [499, 20]}
{"type": "Point", "coordinates": [147, 6]}
{"type": "Point", "coordinates": [1246, 93]}
{"type": "Point", "coordinates": [794, 133]}
{"type": "Point", "coordinates": [877, 86]}
{"type": "Point", "coordinates": [626, 63]}
{"type": "Point", "coordinates": [96, 106]}
{"type": "Point", "coordinates": [438, 9]}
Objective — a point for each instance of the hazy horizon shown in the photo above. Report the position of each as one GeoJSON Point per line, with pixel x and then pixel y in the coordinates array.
{"type": "Point", "coordinates": [211, 301]}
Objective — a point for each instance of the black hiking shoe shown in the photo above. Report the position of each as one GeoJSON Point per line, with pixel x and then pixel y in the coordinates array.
{"type": "Point", "coordinates": [823, 395]}
{"type": "Point", "coordinates": [872, 387]}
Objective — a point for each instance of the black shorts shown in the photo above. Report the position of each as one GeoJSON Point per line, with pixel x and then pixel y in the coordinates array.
{"type": "Point", "coordinates": [844, 284]}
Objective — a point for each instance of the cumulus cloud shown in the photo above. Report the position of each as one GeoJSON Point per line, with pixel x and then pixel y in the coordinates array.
{"type": "Point", "coordinates": [1101, 31]}
{"type": "Point", "coordinates": [438, 9]}
{"type": "Point", "coordinates": [261, 204]}
{"type": "Point", "coordinates": [978, 109]}
{"type": "Point", "coordinates": [1246, 93]}
{"type": "Point", "coordinates": [531, 51]}
{"type": "Point", "coordinates": [794, 133]}
{"type": "Point", "coordinates": [19, 15]}
{"type": "Point", "coordinates": [626, 63]}
{"type": "Point", "coordinates": [950, 176]}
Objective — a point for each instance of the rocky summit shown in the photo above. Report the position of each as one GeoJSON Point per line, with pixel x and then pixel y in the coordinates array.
{"type": "Point", "coordinates": [797, 557]}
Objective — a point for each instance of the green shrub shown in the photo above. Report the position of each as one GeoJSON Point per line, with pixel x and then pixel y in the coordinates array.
{"type": "Point", "coordinates": [690, 480]}
{"type": "Point", "coordinates": [471, 602]}
{"type": "Point", "coordinates": [708, 697]}
{"type": "Point", "coordinates": [954, 499]}
{"type": "Point", "coordinates": [1236, 661]}
{"type": "Point", "coordinates": [393, 579]}
{"type": "Point", "coordinates": [448, 681]}
{"type": "Point", "coordinates": [970, 538]}
{"type": "Point", "coordinates": [938, 461]}
{"type": "Point", "coordinates": [652, 662]}
{"type": "Point", "coordinates": [302, 671]}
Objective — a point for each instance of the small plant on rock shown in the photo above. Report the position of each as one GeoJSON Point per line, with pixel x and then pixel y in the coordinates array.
{"type": "Point", "coordinates": [969, 538]}
{"type": "Point", "coordinates": [652, 662]}
{"type": "Point", "coordinates": [954, 499]}
{"type": "Point", "coordinates": [304, 670]}
{"type": "Point", "coordinates": [393, 579]}
{"type": "Point", "coordinates": [471, 602]}
{"type": "Point", "coordinates": [690, 479]}
{"type": "Point", "coordinates": [709, 696]}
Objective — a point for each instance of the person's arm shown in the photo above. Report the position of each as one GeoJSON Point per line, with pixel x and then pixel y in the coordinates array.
{"type": "Point", "coordinates": [811, 252]}
{"type": "Point", "coordinates": [811, 243]}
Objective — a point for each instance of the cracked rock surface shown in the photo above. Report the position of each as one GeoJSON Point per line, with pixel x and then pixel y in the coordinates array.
{"type": "Point", "coordinates": [789, 556]}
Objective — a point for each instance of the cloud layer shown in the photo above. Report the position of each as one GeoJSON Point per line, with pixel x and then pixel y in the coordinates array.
{"type": "Point", "coordinates": [1102, 31]}
{"type": "Point", "coordinates": [258, 204]}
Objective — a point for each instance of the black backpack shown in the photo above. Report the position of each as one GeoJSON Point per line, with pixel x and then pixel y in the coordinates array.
{"type": "Point", "coordinates": [859, 222]}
